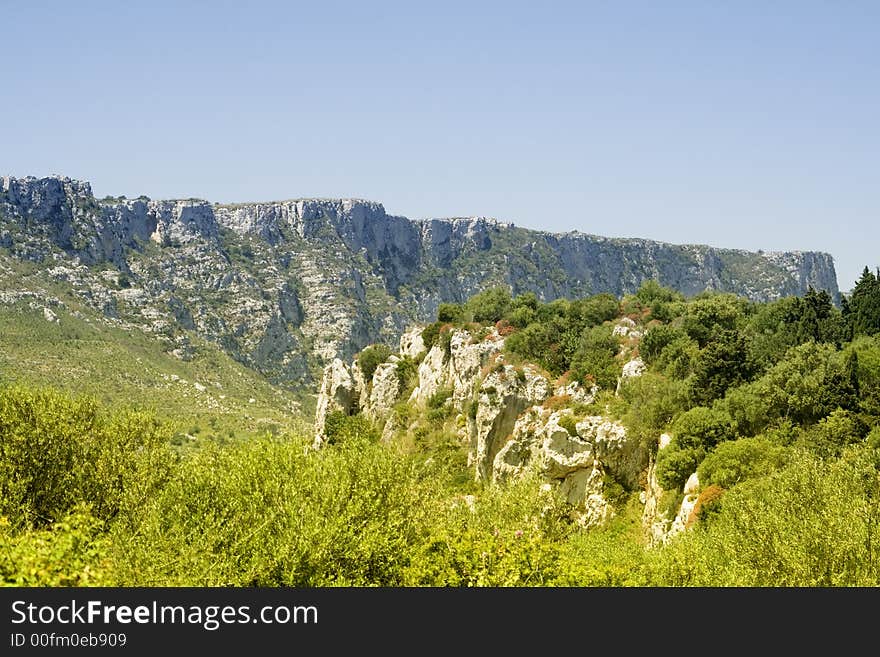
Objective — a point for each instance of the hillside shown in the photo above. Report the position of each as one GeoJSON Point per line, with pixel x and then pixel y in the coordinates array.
{"type": "Point", "coordinates": [649, 441]}
{"type": "Point", "coordinates": [284, 287]}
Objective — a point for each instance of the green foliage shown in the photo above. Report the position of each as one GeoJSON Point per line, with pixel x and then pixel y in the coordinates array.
{"type": "Point", "coordinates": [270, 513]}
{"type": "Point", "coordinates": [709, 314]}
{"type": "Point", "coordinates": [813, 523]}
{"type": "Point", "coordinates": [445, 340]}
{"type": "Point", "coordinates": [608, 556]}
{"type": "Point", "coordinates": [833, 433]}
{"type": "Point", "coordinates": [708, 505]}
{"type": "Point", "coordinates": [431, 333]}
{"type": "Point", "coordinates": [510, 538]}
{"type": "Point", "coordinates": [807, 385]}
{"type": "Point", "coordinates": [342, 428]}
{"type": "Point", "coordinates": [594, 359]}
{"type": "Point", "coordinates": [722, 364]}
{"type": "Point", "coordinates": [651, 292]}
{"type": "Point", "coordinates": [652, 401]}
{"type": "Point", "coordinates": [539, 343]}
{"type": "Point", "coordinates": [407, 376]}
{"type": "Point", "coordinates": [450, 312]}
{"type": "Point", "coordinates": [371, 357]}
{"type": "Point", "coordinates": [489, 306]}
{"type": "Point", "coordinates": [438, 399]}
{"type": "Point", "coordinates": [72, 551]}
{"type": "Point", "coordinates": [57, 452]}
{"type": "Point", "coordinates": [675, 464]}
{"type": "Point", "coordinates": [569, 423]}
{"type": "Point", "coordinates": [656, 339]}
{"type": "Point", "coordinates": [733, 462]}
{"type": "Point", "coordinates": [702, 427]}
{"type": "Point", "coordinates": [861, 312]}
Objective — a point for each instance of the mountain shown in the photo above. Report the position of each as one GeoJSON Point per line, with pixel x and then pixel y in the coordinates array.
{"type": "Point", "coordinates": [284, 287]}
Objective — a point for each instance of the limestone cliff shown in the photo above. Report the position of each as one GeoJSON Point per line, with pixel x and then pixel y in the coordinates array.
{"type": "Point", "coordinates": [285, 287]}
{"type": "Point", "coordinates": [501, 417]}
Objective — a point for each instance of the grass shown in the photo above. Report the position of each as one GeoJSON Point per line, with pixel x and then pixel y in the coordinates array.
{"type": "Point", "coordinates": [211, 392]}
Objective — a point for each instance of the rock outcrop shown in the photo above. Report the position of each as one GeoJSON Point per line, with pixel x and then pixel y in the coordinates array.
{"type": "Point", "coordinates": [659, 527]}
{"type": "Point", "coordinates": [499, 410]}
{"type": "Point", "coordinates": [338, 392]}
{"type": "Point", "coordinates": [285, 287]}
{"type": "Point", "coordinates": [578, 455]}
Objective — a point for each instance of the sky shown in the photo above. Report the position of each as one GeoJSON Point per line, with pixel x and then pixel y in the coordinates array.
{"type": "Point", "coordinates": [745, 124]}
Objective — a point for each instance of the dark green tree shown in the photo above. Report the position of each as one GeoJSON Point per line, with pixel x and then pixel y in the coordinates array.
{"type": "Point", "coordinates": [862, 309]}
{"type": "Point", "coordinates": [722, 364]}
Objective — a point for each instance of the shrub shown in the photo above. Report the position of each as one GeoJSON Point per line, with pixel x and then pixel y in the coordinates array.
{"type": "Point", "coordinates": [703, 427]}
{"type": "Point", "coordinates": [489, 306]}
{"type": "Point", "coordinates": [371, 357]}
{"type": "Point", "coordinates": [595, 356]}
{"type": "Point", "coordinates": [735, 461]}
{"type": "Point", "coordinates": [569, 423]}
{"type": "Point", "coordinates": [269, 512]}
{"type": "Point", "coordinates": [407, 376]}
{"type": "Point", "coordinates": [509, 537]}
{"type": "Point", "coordinates": [813, 523]}
{"type": "Point", "coordinates": [72, 551]}
{"type": "Point", "coordinates": [57, 451]}
{"type": "Point", "coordinates": [430, 334]}
{"type": "Point", "coordinates": [438, 399]}
{"type": "Point", "coordinates": [707, 506]}
{"type": "Point", "coordinates": [450, 312]}
{"type": "Point", "coordinates": [675, 464]}
{"type": "Point", "coordinates": [340, 427]}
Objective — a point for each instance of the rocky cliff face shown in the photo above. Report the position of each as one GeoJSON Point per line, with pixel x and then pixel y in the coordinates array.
{"type": "Point", "coordinates": [286, 287]}
{"type": "Point", "coordinates": [501, 415]}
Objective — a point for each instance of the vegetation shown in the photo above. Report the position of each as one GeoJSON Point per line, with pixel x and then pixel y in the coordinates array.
{"type": "Point", "coordinates": [776, 407]}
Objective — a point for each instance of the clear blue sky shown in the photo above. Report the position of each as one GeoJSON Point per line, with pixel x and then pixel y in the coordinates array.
{"type": "Point", "coordinates": [738, 124]}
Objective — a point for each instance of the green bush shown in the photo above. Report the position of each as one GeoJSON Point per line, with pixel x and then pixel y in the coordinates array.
{"type": "Point", "coordinates": [340, 427]}
{"type": "Point", "coordinates": [569, 423]}
{"type": "Point", "coordinates": [508, 538]}
{"type": "Point", "coordinates": [489, 306]}
{"type": "Point", "coordinates": [72, 551]}
{"type": "Point", "coordinates": [269, 512]}
{"type": "Point", "coordinates": [676, 464]}
{"type": "Point", "coordinates": [595, 358]}
{"type": "Point", "coordinates": [813, 523]}
{"type": "Point", "coordinates": [703, 427]}
{"type": "Point", "coordinates": [371, 357]}
{"type": "Point", "coordinates": [450, 312]}
{"type": "Point", "coordinates": [735, 461]}
{"type": "Point", "coordinates": [438, 399]}
{"type": "Point", "coordinates": [57, 452]}
{"type": "Point", "coordinates": [431, 333]}
{"type": "Point", "coordinates": [407, 376]}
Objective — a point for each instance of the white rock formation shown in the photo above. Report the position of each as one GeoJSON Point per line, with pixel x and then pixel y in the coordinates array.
{"type": "Point", "coordinates": [632, 369]}
{"type": "Point", "coordinates": [503, 395]}
{"type": "Point", "coordinates": [411, 343]}
{"type": "Point", "coordinates": [459, 369]}
{"type": "Point", "coordinates": [384, 390]}
{"type": "Point", "coordinates": [691, 494]}
{"type": "Point", "coordinates": [578, 393]}
{"type": "Point", "coordinates": [575, 462]}
{"type": "Point", "coordinates": [337, 393]}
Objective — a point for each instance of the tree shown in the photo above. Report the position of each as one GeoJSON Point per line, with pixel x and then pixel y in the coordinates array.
{"type": "Point", "coordinates": [737, 460]}
{"type": "Point", "coordinates": [703, 427]}
{"type": "Point", "coordinates": [490, 305]}
{"type": "Point", "coordinates": [862, 310]}
{"type": "Point", "coordinates": [450, 312]}
{"type": "Point", "coordinates": [371, 357]}
{"type": "Point", "coordinates": [594, 357]}
{"type": "Point", "coordinates": [722, 364]}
